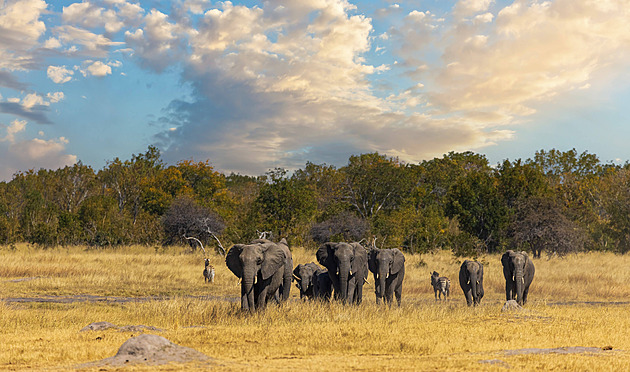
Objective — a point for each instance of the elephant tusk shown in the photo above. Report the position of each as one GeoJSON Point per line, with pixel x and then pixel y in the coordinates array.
{"type": "Point", "coordinates": [365, 280]}
{"type": "Point", "coordinates": [350, 272]}
{"type": "Point", "coordinates": [513, 279]}
{"type": "Point", "coordinates": [239, 281]}
{"type": "Point", "coordinates": [297, 277]}
{"type": "Point", "coordinates": [523, 279]}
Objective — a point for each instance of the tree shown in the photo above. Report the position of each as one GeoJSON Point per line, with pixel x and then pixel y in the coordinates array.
{"type": "Point", "coordinates": [286, 205]}
{"type": "Point", "coordinates": [540, 225]}
{"type": "Point", "coordinates": [345, 226]}
{"type": "Point", "coordinates": [479, 207]}
{"type": "Point", "coordinates": [375, 183]}
{"type": "Point", "coordinates": [185, 218]}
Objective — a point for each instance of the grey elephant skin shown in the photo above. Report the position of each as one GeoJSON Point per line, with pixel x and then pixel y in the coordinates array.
{"type": "Point", "coordinates": [471, 281]}
{"type": "Point", "coordinates": [312, 281]}
{"type": "Point", "coordinates": [347, 268]}
{"type": "Point", "coordinates": [388, 268]}
{"type": "Point", "coordinates": [518, 270]}
{"type": "Point", "coordinates": [261, 268]}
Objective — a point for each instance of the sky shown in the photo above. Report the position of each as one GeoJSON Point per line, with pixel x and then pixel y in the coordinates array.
{"type": "Point", "coordinates": [255, 85]}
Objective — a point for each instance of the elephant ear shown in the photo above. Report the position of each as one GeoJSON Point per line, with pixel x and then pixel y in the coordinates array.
{"type": "Point", "coordinates": [372, 265]}
{"type": "Point", "coordinates": [505, 259]}
{"type": "Point", "coordinates": [274, 257]}
{"type": "Point", "coordinates": [399, 261]}
{"type": "Point", "coordinates": [325, 254]}
{"type": "Point", "coordinates": [360, 262]}
{"type": "Point", "coordinates": [233, 261]}
{"type": "Point", "coordinates": [296, 273]}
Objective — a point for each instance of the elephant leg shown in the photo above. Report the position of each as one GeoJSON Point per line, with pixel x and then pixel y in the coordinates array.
{"type": "Point", "coordinates": [525, 291]}
{"type": "Point", "coordinates": [469, 297]}
{"type": "Point", "coordinates": [398, 293]}
{"type": "Point", "coordinates": [508, 290]}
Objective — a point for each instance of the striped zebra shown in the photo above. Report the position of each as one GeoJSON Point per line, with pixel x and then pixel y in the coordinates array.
{"type": "Point", "coordinates": [441, 285]}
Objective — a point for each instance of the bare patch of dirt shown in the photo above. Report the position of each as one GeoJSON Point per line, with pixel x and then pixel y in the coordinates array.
{"type": "Point", "coordinates": [557, 350]}
{"type": "Point", "coordinates": [101, 326]}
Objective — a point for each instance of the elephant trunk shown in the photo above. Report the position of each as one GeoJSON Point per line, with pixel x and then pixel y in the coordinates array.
{"type": "Point", "coordinates": [519, 280]}
{"type": "Point", "coordinates": [473, 286]}
{"type": "Point", "coordinates": [344, 277]}
{"type": "Point", "coordinates": [382, 277]}
{"type": "Point", "coordinates": [247, 293]}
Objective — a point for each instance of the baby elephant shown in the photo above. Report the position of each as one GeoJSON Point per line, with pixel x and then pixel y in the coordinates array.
{"type": "Point", "coordinates": [471, 281]}
{"type": "Point", "coordinates": [312, 281]}
{"type": "Point", "coordinates": [208, 272]}
{"type": "Point", "coordinates": [388, 267]}
{"type": "Point", "coordinates": [441, 285]}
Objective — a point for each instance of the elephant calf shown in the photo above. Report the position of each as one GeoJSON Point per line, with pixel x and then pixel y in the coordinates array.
{"type": "Point", "coordinates": [441, 285]}
{"type": "Point", "coordinates": [388, 267]}
{"type": "Point", "coordinates": [312, 281]}
{"type": "Point", "coordinates": [471, 281]}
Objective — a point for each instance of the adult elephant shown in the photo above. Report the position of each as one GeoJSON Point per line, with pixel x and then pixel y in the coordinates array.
{"type": "Point", "coordinates": [285, 287]}
{"type": "Point", "coordinates": [347, 268]}
{"type": "Point", "coordinates": [518, 270]}
{"type": "Point", "coordinates": [388, 267]}
{"type": "Point", "coordinates": [471, 281]}
{"type": "Point", "coordinates": [260, 266]}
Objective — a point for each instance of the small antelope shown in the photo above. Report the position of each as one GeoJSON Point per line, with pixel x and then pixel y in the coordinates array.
{"type": "Point", "coordinates": [441, 285]}
{"type": "Point", "coordinates": [208, 272]}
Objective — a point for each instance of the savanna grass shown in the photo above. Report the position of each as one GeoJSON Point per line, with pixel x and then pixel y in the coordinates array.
{"type": "Point", "coordinates": [420, 335]}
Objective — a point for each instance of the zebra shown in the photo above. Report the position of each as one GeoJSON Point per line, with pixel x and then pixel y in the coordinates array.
{"type": "Point", "coordinates": [441, 285]}
{"type": "Point", "coordinates": [208, 272]}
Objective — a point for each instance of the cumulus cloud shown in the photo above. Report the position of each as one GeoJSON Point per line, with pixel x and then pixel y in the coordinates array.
{"type": "Point", "coordinates": [528, 58]}
{"type": "Point", "coordinates": [59, 74]}
{"type": "Point", "coordinates": [19, 154]}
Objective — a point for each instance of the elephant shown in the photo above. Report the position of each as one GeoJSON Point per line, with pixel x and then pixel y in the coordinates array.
{"type": "Point", "coordinates": [312, 281]}
{"type": "Point", "coordinates": [518, 270]}
{"type": "Point", "coordinates": [260, 266]}
{"type": "Point", "coordinates": [471, 281]}
{"type": "Point", "coordinates": [347, 268]}
{"type": "Point", "coordinates": [283, 292]}
{"type": "Point", "coordinates": [388, 267]}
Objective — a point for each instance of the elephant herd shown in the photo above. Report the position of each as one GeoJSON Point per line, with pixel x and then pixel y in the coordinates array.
{"type": "Point", "coordinates": [265, 270]}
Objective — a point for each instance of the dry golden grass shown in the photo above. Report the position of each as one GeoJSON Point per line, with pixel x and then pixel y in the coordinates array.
{"type": "Point", "coordinates": [421, 335]}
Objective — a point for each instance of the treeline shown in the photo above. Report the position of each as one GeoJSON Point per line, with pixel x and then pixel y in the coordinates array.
{"type": "Point", "coordinates": [556, 202]}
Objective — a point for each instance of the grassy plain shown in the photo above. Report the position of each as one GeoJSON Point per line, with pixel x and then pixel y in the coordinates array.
{"type": "Point", "coordinates": [580, 300]}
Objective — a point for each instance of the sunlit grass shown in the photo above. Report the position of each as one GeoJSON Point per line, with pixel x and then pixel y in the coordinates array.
{"type": "Point", "coordinates": [420, 335]}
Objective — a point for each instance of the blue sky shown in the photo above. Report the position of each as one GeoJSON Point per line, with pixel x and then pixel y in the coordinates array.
{"type": "Point", "coordinates": [257, 85]}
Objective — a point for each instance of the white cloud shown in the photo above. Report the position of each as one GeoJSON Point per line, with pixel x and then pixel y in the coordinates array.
{"type": "Point", "coordinates": [20, 29]}
{"type": "Point", "coordinates": [467, 8]}
{"type": "Point", "coordinates": [99, 69]}
{"type": "Point", "coordinates": [55, 97]}
{"type": "Point", "coordinates": [15, 127]}
{"type": "Point", "coordinates": [33, 99]}
{"type": "Point", "coordinates": [19, 154]}
{"type": "Point", "coordinates": [87, 14]}
{"type": "Point", "coordinates": [59, 74]}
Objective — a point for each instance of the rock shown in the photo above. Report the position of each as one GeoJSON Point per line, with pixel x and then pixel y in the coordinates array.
{"type": "Point", "coordinates": [511, 305]}
{"type": "Point", "coordinates": [150, 350]}
{"type": "Point", "coordinates": [98, 326]}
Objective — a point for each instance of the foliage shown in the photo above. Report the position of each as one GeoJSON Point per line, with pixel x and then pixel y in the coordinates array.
{"type": "Point", "coordinates": [456, 202]}
{"type": "Point", "coordinates": [186, 219]}
{"type": "Point", "coordinates": [540, 225]}
{"type": "Point", "coordinates": [345, 226]}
